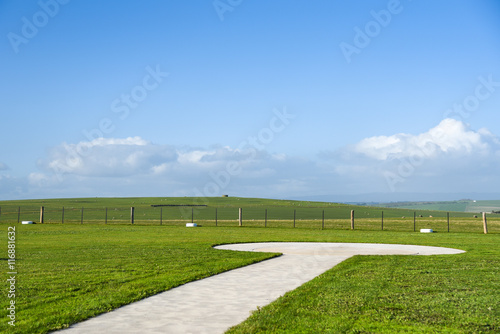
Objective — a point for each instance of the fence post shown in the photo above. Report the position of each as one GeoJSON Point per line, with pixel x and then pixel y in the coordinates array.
{"type": "Point", "coordinates": [105, 215]}
{"type": "Point", "coordinates": [485, 224]}
{"type": "Point", "coordinates": [382, 220]}
{"type": "Point", "coordinates": [294, 215]}
{"type": "Point", "coordinates": [215, 217]}
{"type": "Point", "coordinates": [240, 219]}
{"type": "Point", "coordinates": [161, 216]}
{"type": "Point", "coordinates": [192, 215]}
{"type": "Point", "coordinates": [265, 221]}
{"type": "Point", "coordinates": [81, 219]}
{"type": "Point", "coordinates": [448, 220]}
{"type": "Point", "coordinates": [323, 221]}
{"type": "Point", "coordinates": [352, 219]}
{"type": "Point", "coordinates": [18, 214]}
{"type": "Point", "coordinates": [414, 221]}
{"type": "Point", "coordinates": [42, 211]}
{"type": "Point", "coordinates": [132, 211]}
{"type": "Point", "coordinates": [62, 219]}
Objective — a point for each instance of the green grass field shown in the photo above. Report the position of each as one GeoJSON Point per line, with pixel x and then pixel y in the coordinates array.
{"type": "Point", "coordinates": [69, 272]}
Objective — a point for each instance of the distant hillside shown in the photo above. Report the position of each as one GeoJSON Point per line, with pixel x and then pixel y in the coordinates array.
{"type": "Point", "coordinates": [465, 205]}
{"type": "Point", "coordinates": [392, 197]}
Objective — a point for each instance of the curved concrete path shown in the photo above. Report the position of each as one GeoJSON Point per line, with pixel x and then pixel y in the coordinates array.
{"type": "Point", "coordinates": [214, 304]}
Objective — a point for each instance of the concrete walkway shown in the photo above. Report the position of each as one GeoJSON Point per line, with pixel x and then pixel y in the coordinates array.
{"type": "Point", "coordinates": [214, 304]}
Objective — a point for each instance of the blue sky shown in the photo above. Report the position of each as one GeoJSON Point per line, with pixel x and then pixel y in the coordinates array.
{"type": "Point", "coordinates": [283, 99]}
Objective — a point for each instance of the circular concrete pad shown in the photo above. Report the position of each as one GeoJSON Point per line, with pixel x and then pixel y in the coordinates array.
{"type": "Point", "coordinates": [214, 304]}
{"type": "Point", "coordinates": [330, 248]}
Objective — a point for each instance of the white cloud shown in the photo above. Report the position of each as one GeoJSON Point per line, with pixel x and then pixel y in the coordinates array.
{"type": "Point", "coordinates": [133, 165]}
{"type": "Point", "coordinates": [447, 158]}
{"type": "Point", "coordinates": [107, 157]}
{"type": "Point", "coordinates": [37, 179]}
{"type": "Point", "coordinates": [131, 141]}
{"type": "Point", "coordinates": [113, 157]}
{"type": "Point", "coordinates": [3, 166]}
{"type": "Point", "coordinates": [193, 156]}
{"type": "Point", "coordinates": [450, 136]}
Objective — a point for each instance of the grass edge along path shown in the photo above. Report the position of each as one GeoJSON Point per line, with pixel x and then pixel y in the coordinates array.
{"type": "Point", "coordinates": [66, 274]}
{"type": "Point", "coordinates": [395, 294]}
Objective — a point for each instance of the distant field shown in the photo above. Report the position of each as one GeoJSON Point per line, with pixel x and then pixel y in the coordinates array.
{"type": "Point", "coordinates": [483, 206]}
{"type": "Point", "coordinates": [462, 205]}
{"type": "Point", "coordinates": [224, 212]}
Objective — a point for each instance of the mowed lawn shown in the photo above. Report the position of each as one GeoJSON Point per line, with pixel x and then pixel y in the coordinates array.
{"type": "Point", "coordinates": [68, 273]}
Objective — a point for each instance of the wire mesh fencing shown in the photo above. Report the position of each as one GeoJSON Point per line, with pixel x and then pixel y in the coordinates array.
{"type": "Point", "coordinates": [342, 217]}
